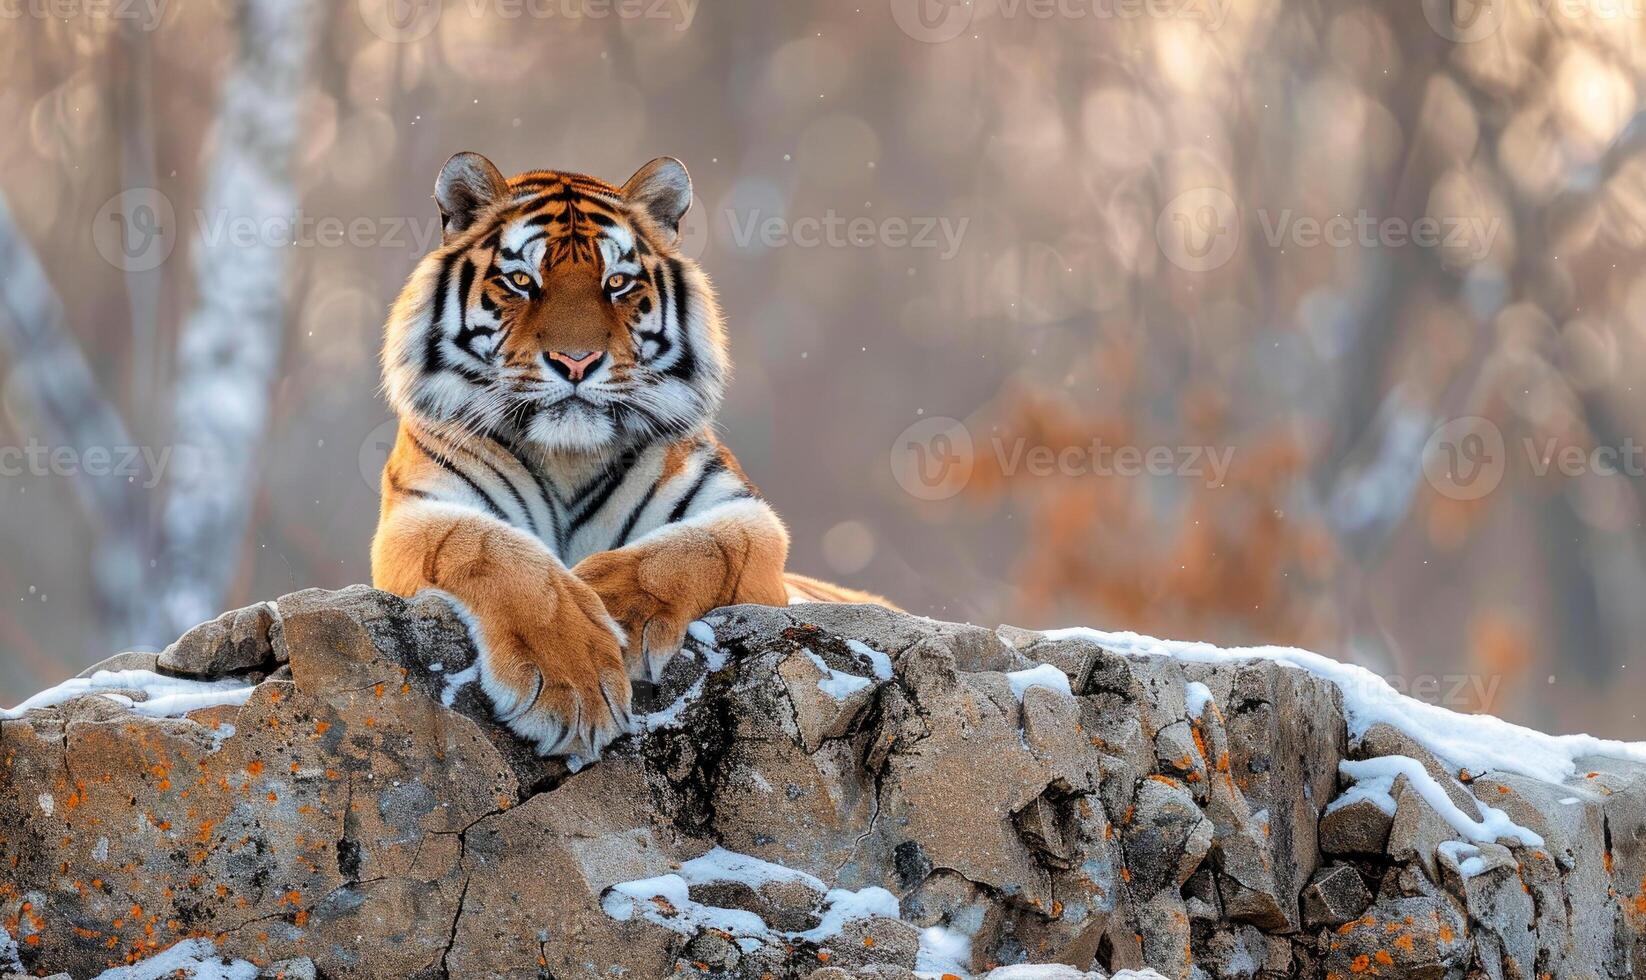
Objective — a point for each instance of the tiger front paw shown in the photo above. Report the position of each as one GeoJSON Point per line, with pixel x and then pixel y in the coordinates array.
{"type": "Point", "coordinates": [553, 668]}
{"type": "Point", "coordinates": [654, 626]}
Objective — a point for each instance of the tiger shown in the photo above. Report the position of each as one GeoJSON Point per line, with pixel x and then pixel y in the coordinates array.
{"type": "Point", "coordinates": [556, 364]}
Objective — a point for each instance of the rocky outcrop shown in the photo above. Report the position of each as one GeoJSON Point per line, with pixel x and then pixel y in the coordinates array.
{"type": "Point", "coordinates": [818, 791]}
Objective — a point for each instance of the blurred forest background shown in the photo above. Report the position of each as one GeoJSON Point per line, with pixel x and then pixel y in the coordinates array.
{"type": "Point", "coordinates": [209, 204]}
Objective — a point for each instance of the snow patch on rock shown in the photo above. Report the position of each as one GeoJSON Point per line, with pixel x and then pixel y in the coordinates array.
{"type": "Point", "coordinates": [1379, 776]}
{"type": "Point", "coordinates": [193, 959]}
{"type": "Point", "coordinates": [1045, 675]}
{"type": "Point", "coordinates": [1465, 856]}
{"type": "Point", "coordinates": [159, 696]}
{"type": "Point", "coordinates": [666, 900]}
{"type": "Point", "coordinates": [943, 951]}
{"type": "Point", "coordinates": [837, 684]}
{"type": "Point", "coordinates": [1479, 743]}
{"type": "Point", "coordinates": [878, 662]}
{"type": "Point", "coordinates": [1196, 696]}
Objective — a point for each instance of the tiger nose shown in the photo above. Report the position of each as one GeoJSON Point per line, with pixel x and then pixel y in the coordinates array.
{"type": "Point", "coordinates": [574, 364]}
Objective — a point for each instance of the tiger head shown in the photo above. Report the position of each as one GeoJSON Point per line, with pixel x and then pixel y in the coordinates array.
{"type": "Point", "coordinates": [558, 311]}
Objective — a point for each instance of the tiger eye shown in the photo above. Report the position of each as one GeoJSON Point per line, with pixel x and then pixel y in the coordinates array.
{"type": "Point", "coordinates": [522, 280]}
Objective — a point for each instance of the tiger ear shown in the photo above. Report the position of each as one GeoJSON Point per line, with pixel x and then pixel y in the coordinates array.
{"type": "Point", "coordinates": [467, 185]}
{"type": "Point", "coordinates": [663, 190]}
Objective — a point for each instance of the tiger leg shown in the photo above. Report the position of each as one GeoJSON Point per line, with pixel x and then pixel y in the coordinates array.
{"type": "Point", "coordinates": [551, 660]}
{"type": "Point", "coordinates": [657, 586]}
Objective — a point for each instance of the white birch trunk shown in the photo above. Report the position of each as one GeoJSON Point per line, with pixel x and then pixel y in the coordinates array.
{"type": "Point", "coordinates": [73, 412]}
{"type": "Point", "coordinates": [229, 348]}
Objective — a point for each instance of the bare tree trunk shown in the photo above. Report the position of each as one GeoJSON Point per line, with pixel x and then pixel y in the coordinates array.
{"type": "Point", "coordinates": [74, 414]}
{"type": "Point", "coordinates": [135, 120]}
{"type": "Point", "coordinates": [229, 348]}
{"type": "Point", "coordinates": [48, 362]}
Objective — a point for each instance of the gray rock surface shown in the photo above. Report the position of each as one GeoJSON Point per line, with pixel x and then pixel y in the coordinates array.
{"type": "Point", "coordinates": [1335, 895]}
{"type": "Point", "coordinates": [829, 792]}
{"type": "Point", "coordinates": [1356, 829]}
